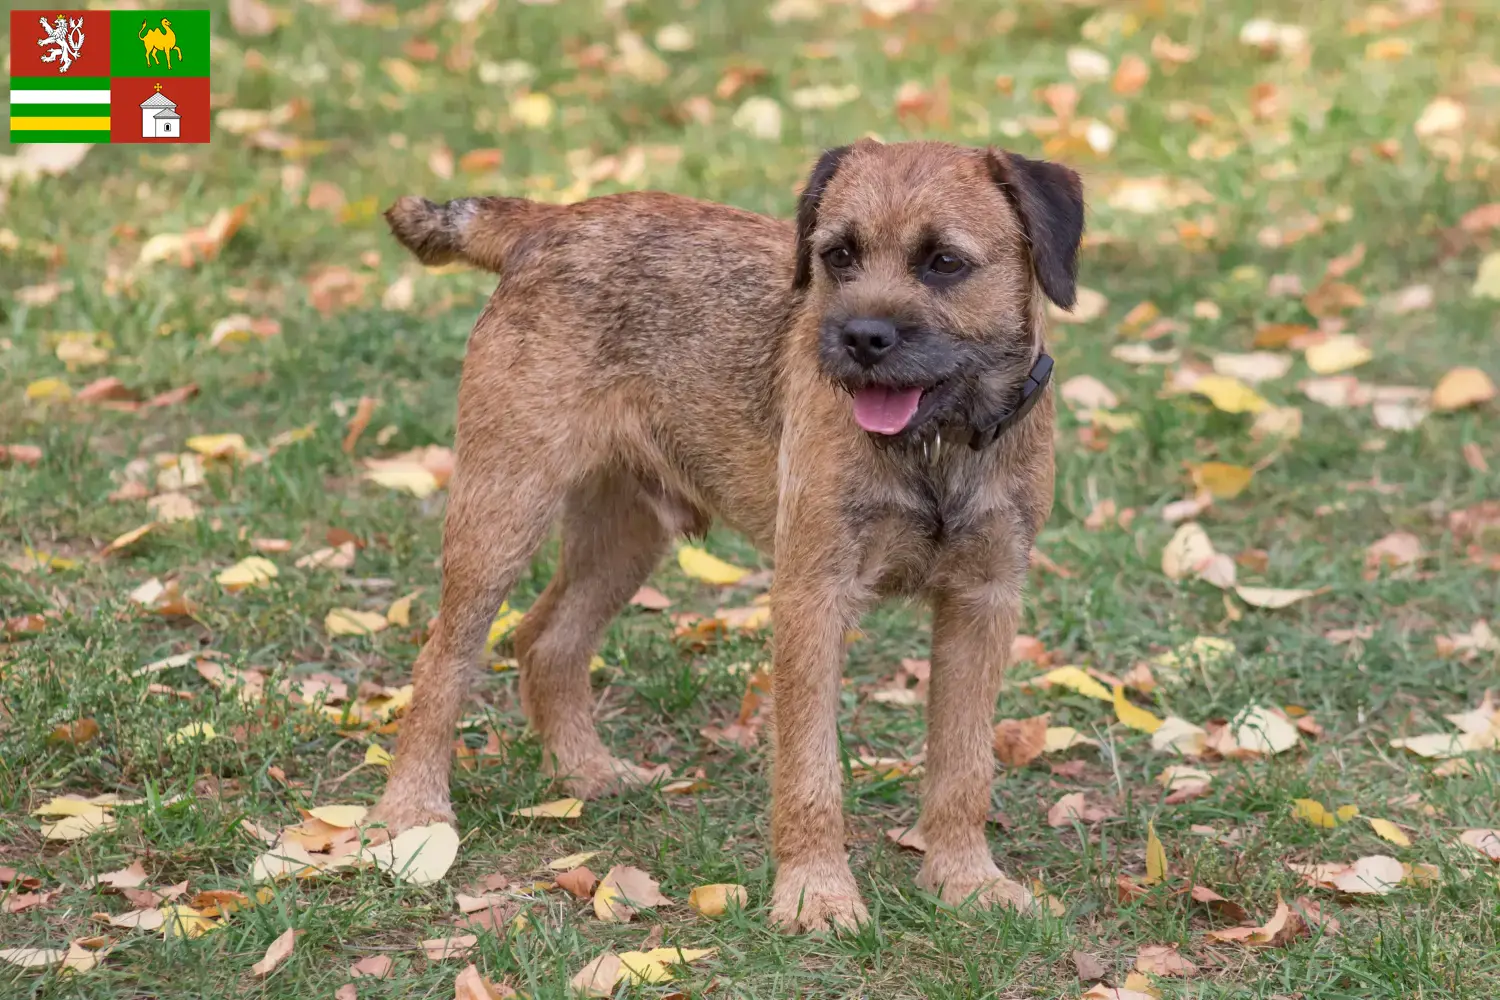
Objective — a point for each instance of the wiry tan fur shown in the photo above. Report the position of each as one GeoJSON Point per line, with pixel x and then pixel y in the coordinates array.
{"type": "Point", "coordinates": [647, 364]}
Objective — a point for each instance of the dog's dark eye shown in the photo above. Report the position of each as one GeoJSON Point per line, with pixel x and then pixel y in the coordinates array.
{"type": "Point", "coordinates": [946, 263]}
{"type": "Point", "coordinates": [839, 258]}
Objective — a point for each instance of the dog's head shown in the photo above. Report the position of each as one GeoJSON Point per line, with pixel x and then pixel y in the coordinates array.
{"type": "Point", "coordinates": [923, 262]}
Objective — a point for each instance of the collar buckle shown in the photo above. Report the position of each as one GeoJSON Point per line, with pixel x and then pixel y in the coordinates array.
{"type": "Point", "coordinates": [987, 433]}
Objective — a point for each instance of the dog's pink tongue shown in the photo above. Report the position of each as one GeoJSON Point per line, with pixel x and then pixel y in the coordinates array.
{"type": "Point", "coordinates": [882, 410]}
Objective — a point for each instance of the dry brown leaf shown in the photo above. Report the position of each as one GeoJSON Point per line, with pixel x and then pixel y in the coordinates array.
{"type": "Point", "coordinates": [277, 953]}
{"type": "Point", "coordinates": [1088, 966]}
{"type": "Point", "coordinates": [1164, 960]}
{"type": "Point", "coordinates": [457, 946]}
{"type": "Point", "coordinates": [908, 837]}
{"type": "Point", "coordinates": [470, 985]}
{"type": "Point", "coordinates": [1220, 906]}
{"type": "Point", "coordinates": [1073, 808]}
{"type": "Point", "coordinates": [651, 599]}
{"type": "Point", "coordinates": [1020, 741]}
{"type": "Point", "coordinates": [579, 881]}
{"type": "Point", "coordinates": [375, 966]}
{"type": "Point", "coordinates": [598, 978]}
{"type": "Point", "coordinates": [623, 889]}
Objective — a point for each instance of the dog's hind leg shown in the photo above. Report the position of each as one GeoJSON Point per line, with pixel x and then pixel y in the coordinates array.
{"type": "Point", "coordinates": [612, 538]}
{"type": "Point", "coordinates": [507, 489]}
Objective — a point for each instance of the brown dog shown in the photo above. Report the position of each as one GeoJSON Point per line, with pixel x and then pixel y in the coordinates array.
{"type": "Point", "coordinates": [864, 397]}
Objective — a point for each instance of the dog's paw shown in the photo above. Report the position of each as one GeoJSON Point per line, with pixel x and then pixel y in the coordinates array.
{"type": "Point", "coordinates": [401, 812]}
{"type": "Point", "coordinates": [595, 777]}
{"type": "Point", "coordinates": [978, 883]}
{"type": "Point", "coordinates": [816, 900]}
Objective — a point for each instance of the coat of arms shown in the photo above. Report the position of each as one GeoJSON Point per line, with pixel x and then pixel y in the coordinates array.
{"type": "Point", "coordinates": [66, 39]}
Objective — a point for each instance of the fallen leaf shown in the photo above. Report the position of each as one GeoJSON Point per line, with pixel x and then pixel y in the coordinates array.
{"type": "Point", "coordinates": [1180, 735]}
{"type": "Point", "coordinates": [78, 826]}
{"type": "Point", "coordinates": [1222, 480]}
{"type": "Point", "coordinates": [1088, 966]}
{"type": "Point", "coordinates": [421, 855]}
{"type": "Point", "coordinates": [1075, 679]}
{"type": "Point", "coordinates": [49, 390]}
{"type": "Point", "coordinates": [78, 732]}
{"type": "Point", "coordinates": [1020, 741]}
{"type": "Point", "coordinates": [1486, 842]}
{"type": "Point", "coordinates": [623, 889]}
{"type": "Point", "coordinates": [1101, 992]}
{"type": "Point", "coordinates": [1226, 908]}
{"type": "Point", "coordinates": [1084, 392]}
{"type": "Point", "coordinates": [374, 966]}
{"type": "Point", "coordinates": [568, 808]}
{"type": "Point", "coordinates": [1261, 730]}
{"type": "Point", "coordinates": [1337, 354]}
{"type": "Point", "coordinates": [457, 946]}
{"type": "Point", "coordinates": [1072, 808]}
{"type": "Point", "coordinates": [578, 881]}
{"type": "Point", "coordinates": [599, 977]}
{"type": "Point", "coordinates": [697, 563]}
{"type": "Point", "coordinates": [1156, 857]}
{"type": "Point", "coordinates": [185, 922]}
{"type": "Point", "coordinates": [277, 953]}
{"type": "Point", "coordinates": [344, 817]}
{"type": "Point", "coordinates": [1163, 960]}
{"type": "Point", "coordinates": [252, 571]}
{"type": "Point", "coordinates": [1319, 815]}
{"type": "Point", "coordinates": [571, 861]}
{"type": "Point", "coordinates": [128, 539]}
{"type": "Point", "coordinates": [1136, 718]}
{"type": "Point", "coordinates": [714, 900]}
{"type": "Point", "coordinates": [1387, 830]}
{"type": "Point", "coordinates": [1462, 387]}
{"type": "Point", "coordinates": [1188, 552]}
{"type": "Point", "coordinates": [651, 599]}
{"type": "Point", "coordinates": [1229, 394]}
{"type": "Point", "coordinates": [470, 985]}
{"type": "Point", "coordinates": [1377, 875]}
{"type": "Point", "coordinates": [1434, 745]}
{"type": "Point", "coordinates": [908, 837]}
{"type": "Point", "coordinates": [131, 876]}
{"type": "Point", "coordinates": [1060, 738]}
{"type": "Point", "coordinates": [1088, 306]}
{"type": "Point", "coordinates": [1487, 280]}
{"type": "Point", "coordinates": [32, 958]}
{"type": "Point", "coordinates": [193, 732]}
{"type": "Point", "coordinates": [348, 621]}
{"type": "Point", "coordinates": [1272, 598]}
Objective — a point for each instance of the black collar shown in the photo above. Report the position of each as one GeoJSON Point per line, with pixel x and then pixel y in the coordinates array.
{"type": "Point", "coordinates": [985, 432]}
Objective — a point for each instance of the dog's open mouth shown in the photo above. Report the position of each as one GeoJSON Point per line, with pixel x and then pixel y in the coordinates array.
{"type": "Point", "coordinates": [884, 409]}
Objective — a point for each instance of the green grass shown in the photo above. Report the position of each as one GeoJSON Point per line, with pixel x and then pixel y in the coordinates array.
{"type": "Point", "coordinates": [359, 129]}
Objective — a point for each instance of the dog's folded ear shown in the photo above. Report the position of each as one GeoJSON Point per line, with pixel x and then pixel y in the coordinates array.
{"type": "Point", "coordinates": [807, 211]}
{"type": "Point", "coordinates": [1049, 199]}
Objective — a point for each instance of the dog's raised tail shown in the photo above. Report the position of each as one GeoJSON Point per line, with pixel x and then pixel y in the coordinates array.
{"type": "Point", "coordinates": [477, 231]}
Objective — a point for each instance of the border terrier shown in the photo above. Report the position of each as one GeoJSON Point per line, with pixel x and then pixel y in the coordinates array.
{"type": "Point", "coordinates": [863, 393]}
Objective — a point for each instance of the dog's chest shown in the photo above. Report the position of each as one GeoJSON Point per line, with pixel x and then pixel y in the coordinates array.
{"type": "Point", "coordinates": [908, 529]}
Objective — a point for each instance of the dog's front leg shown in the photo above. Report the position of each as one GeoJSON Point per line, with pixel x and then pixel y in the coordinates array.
{"type": "Point", "coordinates": [974, 622]}
{"type": "Point", "coordinates": [814, 887]}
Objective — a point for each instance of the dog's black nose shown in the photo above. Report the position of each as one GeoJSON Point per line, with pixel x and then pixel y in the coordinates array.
{"type": "Point", "coordinates": [868, 340]}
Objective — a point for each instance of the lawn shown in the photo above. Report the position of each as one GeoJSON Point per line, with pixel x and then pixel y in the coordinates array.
{"type": "Point", "coordinates": [1277, 374]}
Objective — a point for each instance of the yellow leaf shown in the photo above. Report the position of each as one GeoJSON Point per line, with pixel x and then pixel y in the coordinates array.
{"type": "Point", "coordinates": [343, 817]}
{"type": "Point", "coordinates": [421, 855]}
{"type": "Point", "coordinates": [1346, 813]}
{"type": "Point", "coordinates": [347, 621]}
{"type": "Point", "coordinates": [1462, 387]}
{"type": "Point", "coordinates": [678, 956]}
{"type": "Point", "coordinates": [1438, 745]}
{"type": "Point", "coordinates": [572, 861]}
{"type": "Point", "coordinates": [203, 731]}
{"type": "Point", "coordinates": [1388, 830]}
{"type": "Point", "coordinates": [1060, 738]}
{"type": "Point", "coordinates": [568, 808]}
{"type": "Point", "coordinates": [699, 564]}
{"type": "Point", "coordinates": [713, 900]}
{"type": "Point", "coordinates": [1337, 354]}
{"type": "Point", "coordinates": [409, 476]}
{"type": "Point", "coordinates": [533, 110]}
{"type": "Point", "coordinates": [1156, 857]}
{"type": "Point", "coordinates": [186, 922]}
{"type": "Point", "coordinates": [399, 613]}
{"type": "Point", "coordinates": [1487, 281]}
{"type": "Point", "coordinates": [252, 571]}
{"type": "Point", "coordinates": [378, 755]}
{"type": "Point", "coordinates": [1271, 597]}
{"type": "Point", "coordinates": [49, 390]}
{"type": "Point", "coordinates": [1134, 717]}
{"type": "Point", "coordinates": [1229, 394]}
{"type": "Point", "coordinates": [70, 807]}
{"type": "Point", "coordinates": [129, 538]}
{"type": "Point", "coordinates": [77, 827]}
{"type": "Point", "coordinates": [402, 73]}
{"type": "Point", "coordinates": [1314, 812]}
{"type": "Point", "coordinates": [218, 445]}
{"type": "Point", "coordinates": [640, 968]}
{"type": "Point", "coordinates": [1224, 481]}
{"type": "Point", "coordinates": [1180, 735]}
{"type": "Point", "coordinates": [1074, 679]}
{"type": "Point", "coordinates": [505, 621]}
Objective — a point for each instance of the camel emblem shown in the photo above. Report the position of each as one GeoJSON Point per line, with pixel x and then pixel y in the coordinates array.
{"type": "Point", "coordinates": [159, 40]}
{"type": "Point", "coordinates": [67, 39]}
